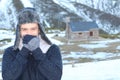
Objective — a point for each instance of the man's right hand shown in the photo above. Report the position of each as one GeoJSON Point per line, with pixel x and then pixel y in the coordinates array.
{"type": "Point", "coordinates": [31, 42]}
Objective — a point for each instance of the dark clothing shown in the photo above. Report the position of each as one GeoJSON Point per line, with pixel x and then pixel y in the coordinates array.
{"type": "Point", "coordinates": [20, 65]}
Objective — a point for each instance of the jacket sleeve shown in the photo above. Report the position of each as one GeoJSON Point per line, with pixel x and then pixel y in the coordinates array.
{"type": "Point", "coordinates": [13, 63]}
{"type": "Point", "coordinates": [49, 66]}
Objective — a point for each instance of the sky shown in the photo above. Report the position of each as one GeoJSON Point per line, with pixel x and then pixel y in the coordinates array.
{"type": "Point", "coordinates": [96, 70]}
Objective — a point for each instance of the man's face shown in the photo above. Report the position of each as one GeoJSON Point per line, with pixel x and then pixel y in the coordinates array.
{"type": "Point", "coordinates": [29, 29]}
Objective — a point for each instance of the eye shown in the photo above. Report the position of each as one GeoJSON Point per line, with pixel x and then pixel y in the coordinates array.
{"type": "Point", "coordinates": [23, 29]}
{"type": "Point", "coordinates": [34, 28]}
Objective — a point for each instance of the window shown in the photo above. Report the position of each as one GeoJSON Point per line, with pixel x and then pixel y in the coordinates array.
{"type": "Point", "coordinates": [80, 33]}
{"type": "Point", "coordinates": [91, 33]}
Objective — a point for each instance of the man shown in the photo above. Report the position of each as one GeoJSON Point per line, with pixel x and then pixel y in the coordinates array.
{"type": "Point", "coordinates": [33, 56]}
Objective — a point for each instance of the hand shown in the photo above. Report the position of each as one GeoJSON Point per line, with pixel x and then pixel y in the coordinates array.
{"type": "Point", "coordinates": [31, 42]}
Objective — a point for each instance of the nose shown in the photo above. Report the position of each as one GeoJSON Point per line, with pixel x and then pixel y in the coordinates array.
{"type": "Point", "coordinates": [29, 32]}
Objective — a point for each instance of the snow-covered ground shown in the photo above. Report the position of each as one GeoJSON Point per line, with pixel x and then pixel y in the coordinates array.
{"type": "Point", "coordinates": [102, 70]}
{"type": "Point", "coordinates": [99, 70]}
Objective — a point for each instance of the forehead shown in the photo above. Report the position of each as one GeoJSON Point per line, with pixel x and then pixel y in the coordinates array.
{"type": "Point", "coordinates": [29, 25]}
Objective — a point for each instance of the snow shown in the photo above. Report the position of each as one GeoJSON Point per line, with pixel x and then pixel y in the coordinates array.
{"type": "Point", "coordinates": [27, 3]}
{"type": "Point", "coordinates": [99, 44]}
{"type": "Point", "coordinates": [98, 55]}
{"type": "Point", "coordinates": [102, 70]}
{"type": "Point", "coordinates": [6, 35]}
{"type": "Point", "coordinates": [92, 46]}
{"type": "Point", "coordinates": [118, 48]}
{"type": "Point", "coordinates": [65, 4]}
{"type": "Point", "coordinates": [3, 3]}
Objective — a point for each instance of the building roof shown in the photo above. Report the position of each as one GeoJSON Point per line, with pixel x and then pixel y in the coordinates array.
{"type": "Point", "coordinates": [82, 26]}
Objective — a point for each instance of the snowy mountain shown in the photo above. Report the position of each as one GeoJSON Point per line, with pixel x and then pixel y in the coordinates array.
{"type": "Point", "coordinates": [53, 13]}
{"type": "Point", "coordinates": [105, 14]}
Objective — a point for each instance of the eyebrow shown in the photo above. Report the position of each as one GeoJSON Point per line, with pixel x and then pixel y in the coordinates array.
{"type": "Point", "coordinates": [31, 28]}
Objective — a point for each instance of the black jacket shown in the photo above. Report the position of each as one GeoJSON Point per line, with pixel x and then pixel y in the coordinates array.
{"type": "Point", "coordinates": [20, 65]}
